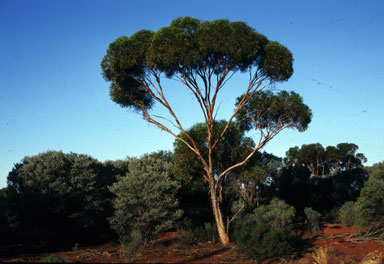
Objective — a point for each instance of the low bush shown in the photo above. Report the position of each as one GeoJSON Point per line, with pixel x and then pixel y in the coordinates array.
{"type": "Point", "coordinates": [277, 215]}
{"type": "Point", "coordinates": [264, 234]}
{"type": "Point", "coordinates": [53, 258]}
{"type": "Point", "coordinates": [191, 234]}
{"type": "Point", "coordinates": [331, 216]}
{"type": "Point", "coordinates": [370, 203]}
{"type": "Point", "coordinates": [313, 219]}
{"type": "Point", "coordinates": [259, 242]}
{"type": "Point", "coordinates": [348, 214]}
{"type": "Point", "coordinates": [207, 232]}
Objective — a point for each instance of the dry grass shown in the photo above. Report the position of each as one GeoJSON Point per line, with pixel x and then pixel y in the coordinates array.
{"type": "Point", "coordinates": [320, 256]}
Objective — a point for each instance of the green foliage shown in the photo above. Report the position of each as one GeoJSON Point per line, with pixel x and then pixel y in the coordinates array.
{"type": "Point", "coordinates": [265, 233]}
{"type": "Point", "coordinates": [189, 46]}
{"type": "Point", "coordinates": [128, 55]}
{"type": "Point", "coordinates": [293, 185]}
{"type": "Point", "coordinates": [8, 219]}
{"type": "Point", "coordinates": [191, 233]}
{"type": "Point", "coordinates": [61, 197]}
{"type": "Point", "coordinates": [207, 53]}
{"type": "Point", "coordinates": [332, 215]}
{"type": "Point", "coordinates": [266, 109]}
{"type": "Point", "coordinates": [4, 211]}
{"type": "Point", "coordinates": [297, 187]}
{"type": "Point", "coordinates": [313, 219]}
{"type": "Point", "coordinates": [130, 244]}
{"type": "Point", "coordinates": [325, 162]}
{"type": "Point", "coordinates": [333, 191]}
{"type": "Point", "coordinates": [311, 156]}
{"type": "Point", "coordinates": [53, 258]}
{"type": "Point", "coordinates": [145, 199]}
{"type": "Point", "coordinates": [349, 214]}
{"type": "Point", "coordinates": [231, 149]}
{"type": "Point", "coordinates": [277, 61]}
{"type": "Point", "coordinates": [377, 170]}
{"type": "Point", "coordinates": [370, 203]}
{"type": "Point", "coordinates": [188, 169]}
{"type": "Point", "coordinates": [206, 232]}
{"type": "Point", "coordinates": [278, 215]}
{"type": "Point", "coordinates": [259, 242]}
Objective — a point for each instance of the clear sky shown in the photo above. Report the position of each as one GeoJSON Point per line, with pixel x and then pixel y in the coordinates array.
{"type": "Point", "coordinates": [53, 96]}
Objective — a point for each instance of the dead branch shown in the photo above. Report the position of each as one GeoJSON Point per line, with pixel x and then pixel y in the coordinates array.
{"type": "Point", "coordinates": [374, 233]}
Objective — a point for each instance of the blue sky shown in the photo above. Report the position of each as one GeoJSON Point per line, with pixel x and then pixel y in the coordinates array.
{"type": "Point", "coordinates": [53, 96]}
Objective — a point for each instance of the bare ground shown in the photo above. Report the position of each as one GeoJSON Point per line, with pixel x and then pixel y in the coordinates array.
{"type": "Point", "coordinates": [333, 237]}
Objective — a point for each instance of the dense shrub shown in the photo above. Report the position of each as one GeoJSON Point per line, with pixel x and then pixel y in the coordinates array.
{"type": "Point", "coordinates": [348, 214]}
{"type": "Point", "coordinates": [370, 203]}
{"type": "Point", "coordinates": [313, 219]}
{"type": "Point", "coordinates": [259, 242]}
{"type": "Point", "coordinates": [277, 215]}
{"type": "Point", "coordinates": [61, 198]}
{"type": "Point", "coordinates": [145, 200]}
{"type": "Point", "coordinates": [265, 233]}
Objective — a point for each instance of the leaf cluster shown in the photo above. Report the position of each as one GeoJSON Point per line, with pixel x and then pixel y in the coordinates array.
{"type": "Point", "coordinates": [189, 47]}
{"type": "Point", "coordinates": [270, 110]}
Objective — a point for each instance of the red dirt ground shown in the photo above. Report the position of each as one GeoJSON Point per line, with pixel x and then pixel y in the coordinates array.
{"type": "Point", "coordinates": [167, 250]}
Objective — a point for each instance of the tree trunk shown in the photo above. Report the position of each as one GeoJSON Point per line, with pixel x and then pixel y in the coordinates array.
{"type": "Point", "coordinates": [223, 235]}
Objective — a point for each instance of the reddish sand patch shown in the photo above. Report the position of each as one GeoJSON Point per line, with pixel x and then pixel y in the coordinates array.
{"type": "Point", "coordinates": [337, 229]}
{"type": "Point", "coordinates": [168, 236]}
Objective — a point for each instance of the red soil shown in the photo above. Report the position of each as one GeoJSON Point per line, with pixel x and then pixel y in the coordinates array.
{"type": "Point", "coordinates": [331, 236]}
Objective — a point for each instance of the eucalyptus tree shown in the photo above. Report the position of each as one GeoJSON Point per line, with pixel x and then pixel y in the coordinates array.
{"type": "Point", "coordinates": [188, 169]}
{"type": "Point", "coordinates": [202, 56]}
{"type": "Point", "coordinates": [245, 184]}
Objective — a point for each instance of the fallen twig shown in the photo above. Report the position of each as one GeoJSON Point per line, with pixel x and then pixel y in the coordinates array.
{"type": "Point", "coordinates": [374, 233]}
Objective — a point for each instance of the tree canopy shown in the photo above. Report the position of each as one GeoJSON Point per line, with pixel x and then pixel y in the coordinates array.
{"type": "Point", "coordinates": [328, 161]}
{"type": "Point", "coordinates": [321, 178]}
{"type": "Point", "coordinates": [190, 48]}
{"type": "Point", "coordinates": [274, 111]}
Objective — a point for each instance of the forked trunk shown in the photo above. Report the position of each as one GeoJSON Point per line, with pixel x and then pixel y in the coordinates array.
{"type": "Point", "coordinates": [223, 235]}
